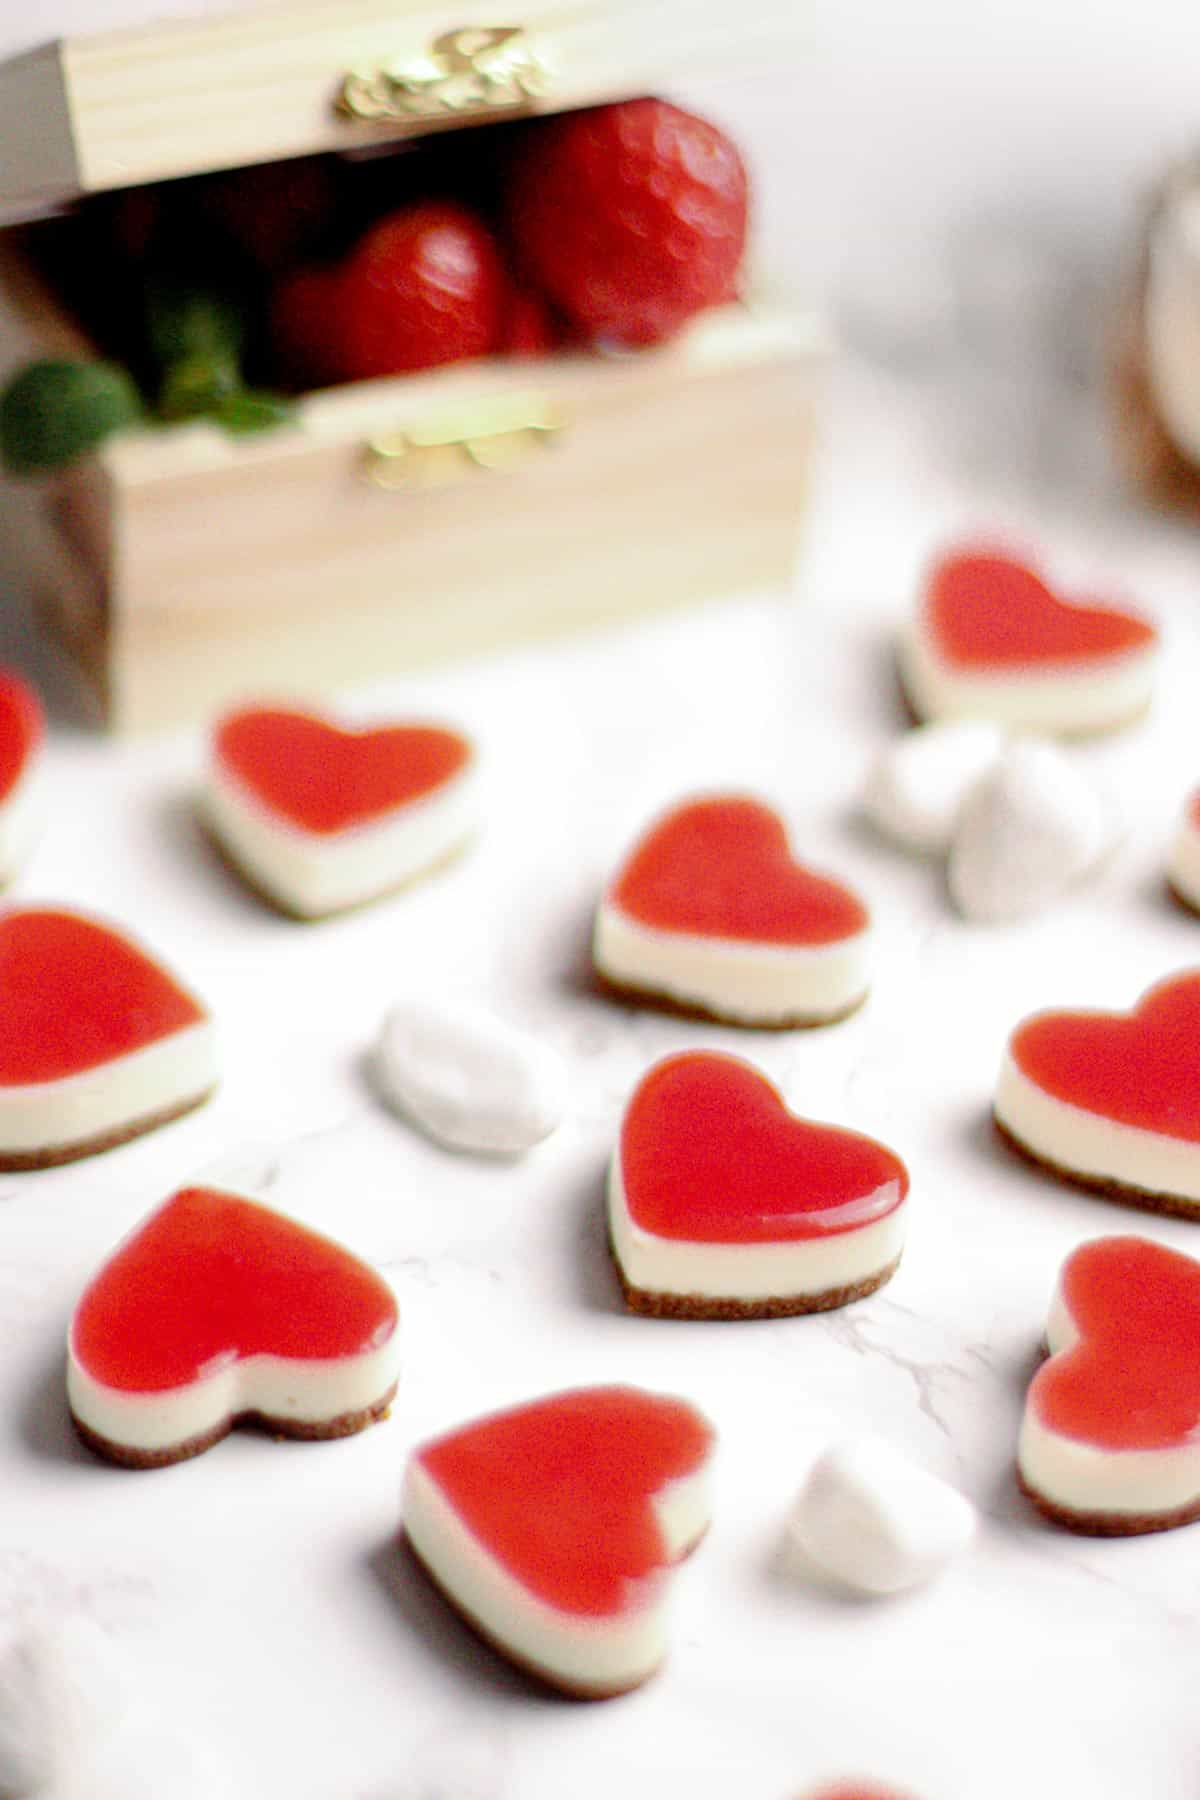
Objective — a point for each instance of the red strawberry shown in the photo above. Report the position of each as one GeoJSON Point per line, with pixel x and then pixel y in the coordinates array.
{"type": "Point", "coordinates": [304, 324]}
{"type": "Point", "coordinates": [631, 217]}
{"type": "Point", "coordinates": [526, 327]}
{"type": "Point", "coordinates": [424, 286]}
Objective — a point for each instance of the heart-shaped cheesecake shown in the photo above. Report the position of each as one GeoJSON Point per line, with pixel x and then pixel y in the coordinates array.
{"type": "Point", "coordinates": [318, 818]}
{"type": "Point", "coordinates": [552, 1528]}
{"type": "Point", "coordinates": [22, 744]}
{"type": "Point", "coordinates": [218, 1311]}
{"type": "Point", "coordinates": [1112, 1100]}
{"type": "Point", "coordinates": [712, 915]}
{"type": "Point", "coordinates": [991, 639]}
{"type": "Point", "coordinates": [1183, 867]}
{"type": "Point", "coordinates": [98, 1042]}
{"type": "Point", "coordinates": [722, 1204]}
{"type": "Point", "coordinates": [1110, 1439]}
{"type": "Point", "coordinates": [857, 1790]}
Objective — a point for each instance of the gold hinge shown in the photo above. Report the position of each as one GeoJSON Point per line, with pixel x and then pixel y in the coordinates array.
{"type": "Point", "coordinates": [497, 434]}
{"type": "Point", "coordinates": [472, 73]}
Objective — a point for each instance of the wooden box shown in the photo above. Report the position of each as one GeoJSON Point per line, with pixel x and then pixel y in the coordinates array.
{"type": "Point", "coordinates": [424, 515]}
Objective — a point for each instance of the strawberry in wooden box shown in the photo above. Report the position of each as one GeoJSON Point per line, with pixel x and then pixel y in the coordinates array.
{"type": "Point", "coordinates": [359, 361]}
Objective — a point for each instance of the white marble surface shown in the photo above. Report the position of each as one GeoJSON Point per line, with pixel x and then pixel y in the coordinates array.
{"type": "Point", "coordinates": [262, 1581]}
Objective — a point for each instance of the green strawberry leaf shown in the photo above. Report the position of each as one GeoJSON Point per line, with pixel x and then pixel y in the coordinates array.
{"type": "Point", "coordinates": [198, 384]}
{"type": "Point", "coordinates": [184, 321]}
{"type": "Point", "coordinates": [56, 410]}
{"type": "Point", "coordinates": [253, 410]}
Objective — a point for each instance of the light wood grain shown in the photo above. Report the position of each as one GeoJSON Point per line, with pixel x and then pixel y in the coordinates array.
{"type": "Point", "coordinates": [127, 107]}
{"type": "Point", "coordinates": [57, 531]}
{"type": "Point", "coordinates": [237, 569]}
{"type": "Point", "coordinates": [185, 568]}
{"type": "Point", "coordinates": [38, 165]}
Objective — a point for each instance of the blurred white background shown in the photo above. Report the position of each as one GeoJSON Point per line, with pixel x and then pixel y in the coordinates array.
{"type": "Point", "coordinates": [957, 189]}
{"type": "Point", "coordinates": [909, 131]}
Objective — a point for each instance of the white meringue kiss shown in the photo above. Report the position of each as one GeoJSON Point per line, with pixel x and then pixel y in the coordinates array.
{"type": "Point", "coordinates": [79, 1720]}
{"type": "Point", "coordinates": [1028, 830]}
{"type": "Point", "coordinates": [917, 785]}
{"type": "Point", "coordinates": [471, 1081]}
{"type": "Point", "coordinates": [877, 1522]}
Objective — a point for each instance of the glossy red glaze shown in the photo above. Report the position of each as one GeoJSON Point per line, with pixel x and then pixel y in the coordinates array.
{"type": "Point", "coordinates": [1140, 1068]}
{"type": "Point", "coordinates": [323, 779]}
{"type": "Point", "coordinates": [22, 728]}
{"type": "Point", "coordinates": [561, 1491]}
{"type": "Point", "coordinates": [710, 1154]}
{"type": "Point", "coordinates": [212, 1278]}
{"type": "Point", "coordinates": [75, 994]}
{"type": "Point", "coordinates": [721, 866]}
{"type": "Point", "coordinates": [986, 610]}
{"type": "Point", "coordinates": [1132, 1382]}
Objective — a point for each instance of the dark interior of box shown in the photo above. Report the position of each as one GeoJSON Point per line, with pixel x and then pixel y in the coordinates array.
{"type": "Point", "coordinates": [238, 234]}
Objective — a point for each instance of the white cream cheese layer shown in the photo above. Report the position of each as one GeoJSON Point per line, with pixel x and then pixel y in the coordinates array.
{"type": "Point", "coordinates": [314, 873]}
{"type": "Point", "coordinates": [1051, 700]}
{"type": "Point", "coordinates": [749, 1272]}
{"type": "Point", "coordinates": [51, 1115]}
{"type": "Point", "coordinates": [22, 815]}
{"type": "Point", "coordinates": [1080, 1477]}
{"type": "Point", "coordinates": [577, 1649]}
{"type": "Point", "coordinates": [308, 1393]}
{"type": "Point", "coordinates": [1183, 864]}
{"type": "Point", "coordinates": [1088, 1144]}
{"type": "Point", "coordinates": [746, 982]}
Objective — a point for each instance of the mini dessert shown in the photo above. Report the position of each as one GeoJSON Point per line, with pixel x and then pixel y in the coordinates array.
{"type": "Point", "coordinates": [711, 915]}
{"type": "Point", "coordinates": [1110, 1440]}
{"type": "Point", "coordinates": [470, 1081]}
{"type": "Point", "coordinates": [317, 818]}
{"type": "Point", "coordinates": [1183, 868]}
{"type": "Point", "coordinates": [22, 738]}
{"type": "Point", "coordinates": [990, 639]}
{"type": "Point", "coordinates": [1028, 831]}
{"type": "Point", "coordinates": [83, 1717]}
{"type": "Point", "coordinates": [98, 1043]}
{"type": "Point", "coordinates": [857, 1790]}
{"type": "Point", "coordinates": [916, 787]}
{"type": "Point", "coordinates": [552, 1528]}
{"type": "Point", "coordinates": [216, 1312]}
{"type": "Point", "coordinates": [1112, 1100]}
{"type": "Point", "coordinates": [877, 1522]}
{"type": "Point", "coordinates": [723, 1205]}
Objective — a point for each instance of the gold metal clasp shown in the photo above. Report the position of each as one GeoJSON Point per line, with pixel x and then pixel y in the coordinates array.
{"type": "Point", "coordinates": [471, 73]}
{"type": "Point", "coordinates": [497, 434]}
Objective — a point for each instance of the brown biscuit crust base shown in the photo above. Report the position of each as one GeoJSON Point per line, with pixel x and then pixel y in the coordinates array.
{"type": "Point", "coordinates": [1144, 1199]}
{"type": "Point", "coordinates": [1181, 899]}
{"type": "Point", "coordinates": [1109, 1524]}
{"type": "Point", "coordinates": [781, 1306]}
{"type": "Point", "coordinates": [539, 1671]}
{"type": "Point", "coordinates": [647, 998]}
{"type": "Point", "coordinates": [306, 1430]}
{"type": "Point", "coordinates": [12, 1160]}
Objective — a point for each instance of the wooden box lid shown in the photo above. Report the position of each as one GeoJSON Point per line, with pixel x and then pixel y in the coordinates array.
{"type": "Point", "coordinates": [120, 108]}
